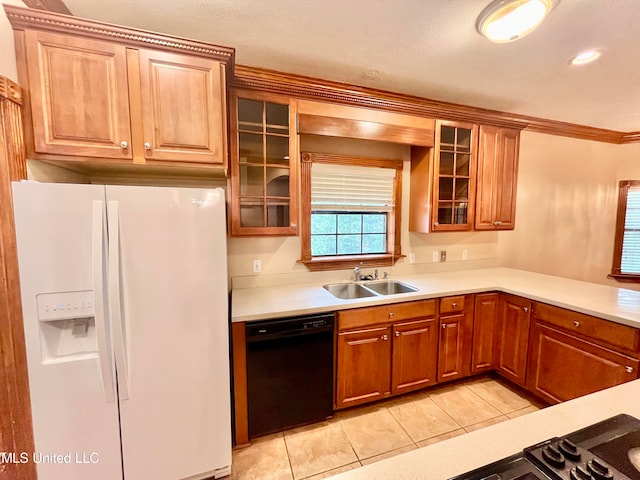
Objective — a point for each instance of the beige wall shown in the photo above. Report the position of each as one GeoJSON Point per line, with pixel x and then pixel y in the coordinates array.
{"type": "Point", "coordinates": [280, 254]}
{"type": "Point", "coordinates": [566, 206]}
{"type": "Point", "coordinates": [7, 52]}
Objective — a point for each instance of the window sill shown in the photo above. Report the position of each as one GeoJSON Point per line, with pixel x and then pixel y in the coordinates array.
{"type": "Point", "coordinates": [350, 261]}
{"type": "Point", "coordinates": [625, 277]}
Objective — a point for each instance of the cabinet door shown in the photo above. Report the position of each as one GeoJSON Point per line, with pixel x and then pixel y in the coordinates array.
{"type": "Point", "coordinates": [415, 355]}
{"type": "Point", "coordinates": [485, 319]}
{"type": "Point", "coordinates": [183, 107]}
{"type": "Point", "coordinates": [562, 366]}
{"type": "Point", "coordinates": [454, 176]}
{"type": "Point", "coordinates": [454, 350]}
{"type": "Point", "coordinates": [497, 178]}
{"type": "Point", "coordinates": [79, 96]}
{"type": "Point", "coordinates": [363, 366]}
{"type": "Point", "coordinates": [513, 335]}
{"type": "Point", "coordinates": [264, 165]}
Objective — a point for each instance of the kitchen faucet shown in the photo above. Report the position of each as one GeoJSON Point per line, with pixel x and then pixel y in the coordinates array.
{"type": "Point", "coordinates": [356, 273]}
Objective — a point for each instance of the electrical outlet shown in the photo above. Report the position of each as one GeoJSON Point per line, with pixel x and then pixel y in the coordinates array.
{"type": "Point", "coordinates": [436, 256]}
{"type": "Point", "coordinates": [465, 254]}
{"type": "Point", "coordinates": [412, 257]}
{"type": "Point", "coordinates": [443, 256]}
{"type": "Point", "coordinates": [257, 266]}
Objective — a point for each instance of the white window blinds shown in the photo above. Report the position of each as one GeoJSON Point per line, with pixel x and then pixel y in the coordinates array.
{"type": "Point", "coordinates": [631, 241]}
{"type": "Point", "coordinates": [354, 188]}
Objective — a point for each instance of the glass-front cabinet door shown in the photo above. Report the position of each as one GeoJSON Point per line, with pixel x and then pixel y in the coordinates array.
{"type": "Point", "coordinates": [454, 176]}
{"type": "Point", "coordinates": [264, 165]}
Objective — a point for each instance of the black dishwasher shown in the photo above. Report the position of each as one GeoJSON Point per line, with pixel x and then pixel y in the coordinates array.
{"type": "Point", "coordinates": [289, 372]}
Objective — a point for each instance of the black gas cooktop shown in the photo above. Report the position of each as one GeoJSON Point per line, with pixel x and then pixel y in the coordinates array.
{"type": "Point", "coordinates": [607, 450]}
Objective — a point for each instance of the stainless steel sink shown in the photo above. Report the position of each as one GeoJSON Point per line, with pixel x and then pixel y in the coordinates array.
{"type": "Point", "coordinates": [349, 290]}
{"type": "Point", "coordinates": [370, 289]}
{"type": "Point", "coordinates": [390, 287]}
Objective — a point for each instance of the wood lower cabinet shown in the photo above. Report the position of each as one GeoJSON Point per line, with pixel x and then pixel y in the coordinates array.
{"type": "Point", "coordinates": [363, 366]}
{"type": "Point", "coordinates": [485, 326]}
{"type": "Point", "coordinates": [456, 333]}
{"type": "Point", "coordinates": [385, 350]}
{"type": "Point", "coordinates": [563, 366]}
{"type": "Point", "coordinates": [415, 350]}
{"type": "Point", "coordinates": [92, 97]}
{"type": "Point", "coordinates": [513, 337]}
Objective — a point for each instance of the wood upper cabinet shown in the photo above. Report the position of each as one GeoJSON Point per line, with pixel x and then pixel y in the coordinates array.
{"type": "Point", "coordinates": [78, 90]}
{"type": "Point", "coordinates": [513, 337]}
{"type": "Point", "coordinates": [485, 327]}
{"type": "Point", "coordinates": [454, 174]}
{"type": "Point", "coordinates": [363, 366]}
{"type": "Point", "coordinates": [183, 107]}
{"type": "Point", "coordinates": [563, 366]}
{"type": "Point", "coordinates": [497, 178]}
{"type": "Point", "coordinates": [456, 333]}
{"type": "Point", "coordinates": [415, 355]}
{"type": "Point", "coordinates": [264, 164]}
{"type": "Point", "coordinates": [100, 99]}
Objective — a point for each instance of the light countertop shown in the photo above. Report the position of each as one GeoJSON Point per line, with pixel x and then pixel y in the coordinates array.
{"type": "Point", "coordinates": [616, 304]}
{"type": "Point", "coordinates": [472, 450]}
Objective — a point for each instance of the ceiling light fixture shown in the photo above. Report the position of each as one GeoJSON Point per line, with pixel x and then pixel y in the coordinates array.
{"type": "Point", "coordinates": [508, 20]}
{"type": "Point", "coordinates": [587, 56]}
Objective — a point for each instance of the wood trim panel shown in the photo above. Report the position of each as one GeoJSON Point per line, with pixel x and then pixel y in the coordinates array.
{"type": "Point", "coordinates": [346, 94]}
{"type": "Point", "coordinates": [363, 129]}
{"type": "Point", "coordinates": [616, 271]}
{"type": "Point", "coordinates": [25, 18]}
{"type": "Point", "coordinates": [241, 411]}
{"type": "Point", "coordinates": [16, 433]}
{"type": "Point", "coordinates": [56, 6]}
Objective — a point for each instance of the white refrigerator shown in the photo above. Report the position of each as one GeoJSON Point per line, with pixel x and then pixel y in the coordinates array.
{"type": "Point", "coordinates": [124, 294]}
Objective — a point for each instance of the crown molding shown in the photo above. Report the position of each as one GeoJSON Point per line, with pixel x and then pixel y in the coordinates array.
{"type": "Point", "coordinates": [10, 90]}
{"type": "Point", "coordinates": [326, 90]}
{"type": "Point", "coordinates": [26, 18]}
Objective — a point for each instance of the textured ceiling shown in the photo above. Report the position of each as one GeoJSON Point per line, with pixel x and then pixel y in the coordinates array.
{"type": "Point", "coordinates": [428, 48]}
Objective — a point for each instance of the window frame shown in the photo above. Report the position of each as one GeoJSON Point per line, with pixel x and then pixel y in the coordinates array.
{"type": "Point", "coordinates": [616, 273]}
{"type": "Point", "coordinates": [394, 252]}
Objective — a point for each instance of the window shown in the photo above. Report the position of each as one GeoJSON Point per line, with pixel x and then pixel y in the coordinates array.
{"type": "Point", "coordinates": [626, 254]}
{"type": "Point", "coordinates": [349, 211]}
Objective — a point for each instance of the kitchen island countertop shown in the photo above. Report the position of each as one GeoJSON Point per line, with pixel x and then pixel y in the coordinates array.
{"type": "Point", "coordinates": [616, 304]}
{"type": "Point", "coordinates": [467, 452]}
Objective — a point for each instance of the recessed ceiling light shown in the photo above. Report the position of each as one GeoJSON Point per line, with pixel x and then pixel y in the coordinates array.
{"type": "Point", "coordinates": [587, 56]}
{"type": "Point", "coordinates": [508, 20]}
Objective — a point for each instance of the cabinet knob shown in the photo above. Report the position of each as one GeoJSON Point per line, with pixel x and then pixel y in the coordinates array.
{"type": "Point", "coordinates": [628, 369]}
{"type": "Point", "coordinates": [385, 337]}
{"type": "Point", "coordinates": [454, 305]}
{"type": "Point", "coordinates": [397, 334]}
{"type": "Point", "coordinates": [576, 323]}
{"type": "Point", "coordinates": [391, 315]}
{"type": "Point", "coordinates": [147, 146]}
{"type": "Point", "coordinates": [444, 325]}
{"type": "Point", "coordinates": [124, 144]}
{"type": "Point", "coordinates": [526, 309]}
{"type": "Point", "coordinates": [497, 223]}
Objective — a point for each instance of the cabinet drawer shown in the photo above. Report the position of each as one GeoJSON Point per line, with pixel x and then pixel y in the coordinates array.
{"type": "Point", "coordinates": [362, 317]}
{"type": "Point", "coordinates": [452, 304]}
{"type": "Point", "coordinates": [622, 336]}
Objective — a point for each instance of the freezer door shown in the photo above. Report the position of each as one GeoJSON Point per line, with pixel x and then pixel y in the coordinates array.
{"type": "Point", "coordinates": [60, 235]}
{"type": "Point", "coordinates": [172, 319]}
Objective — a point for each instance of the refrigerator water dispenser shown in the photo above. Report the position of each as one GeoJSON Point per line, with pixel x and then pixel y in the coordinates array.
{"type": "Point", "coordinates": [67, 326]}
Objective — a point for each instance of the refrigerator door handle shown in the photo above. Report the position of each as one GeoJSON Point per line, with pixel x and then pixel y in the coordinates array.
{"type": "Point", "coordinates": [115, 300]}
{"type": "Point", "coordinates": [105, 356]}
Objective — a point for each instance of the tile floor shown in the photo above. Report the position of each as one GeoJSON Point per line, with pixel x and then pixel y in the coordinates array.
{"type": "Point", "coordinates": [364, 435]}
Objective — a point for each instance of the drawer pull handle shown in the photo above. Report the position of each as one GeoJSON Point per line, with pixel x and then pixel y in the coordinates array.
{"type": "Point", "coordinates": [454, 305]}
{"type": "Point", "coordinates": [397, 334]}
{"type": "Point", "coordinates": [526, 309]}
{"type": "Point", "coordinates": [385, 337]}
{"type": "Point", "coordinates": [576, 323]}
{"type": "Point", "coordinates": [628, 369]}
{"type": "Point", "coordinates": [444, 325]}
{"type": "Point", "coordinates": [391, 315]}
